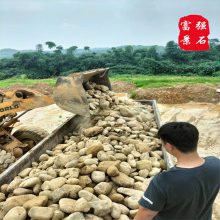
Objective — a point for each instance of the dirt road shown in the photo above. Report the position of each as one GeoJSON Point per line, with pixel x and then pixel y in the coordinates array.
{"type": "Point", "coordinates": [205, 116]}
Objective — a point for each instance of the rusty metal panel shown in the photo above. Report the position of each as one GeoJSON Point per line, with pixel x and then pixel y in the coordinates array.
{"type": "Point", "coordinates": [8, 142]}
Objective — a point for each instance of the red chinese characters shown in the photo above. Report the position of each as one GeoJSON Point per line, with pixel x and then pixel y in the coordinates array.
{"type": "Point", "coordinates": [194, 31]}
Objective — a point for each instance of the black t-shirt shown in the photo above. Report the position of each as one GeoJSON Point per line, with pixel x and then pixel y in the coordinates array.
{"type": "Point", "coordinates": [184, 193]}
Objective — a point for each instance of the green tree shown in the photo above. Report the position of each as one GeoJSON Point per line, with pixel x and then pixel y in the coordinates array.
{"type": "Point", "coordinates": [173, 52]}
{"type": "Point", "coordinates": [152, 53]}
{"type": "Point", "coordinates": [58, 49]}
{"type": "Point", "coordinates": [39, 48]}
{"type": "Point", "coordinates": [121, 60]}
{"type": "Point", "coordinates": [50, 44]}
{"type": "Point", "coordinates": [86, 48]}
{"type": "Point", "coordinates": [128, 54]}
{"type": "Point", "coordinates": [214, 51]}
{"type": "Point", "coordinates": [151, 66]}
{"type": "Point", "coordinates": [71, 50]}
{"type": "Point", "coordinates": [213, 42]}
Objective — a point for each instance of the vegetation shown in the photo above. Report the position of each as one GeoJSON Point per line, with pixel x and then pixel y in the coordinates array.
{"type": "Point", "coordinates": [162, 81]}
{"type": "Point", "coordinates": [138, 80]}
{"type": "Point", "coordinates": [122, 60]}
{"type": "Point", "coordinates": [15, 80]}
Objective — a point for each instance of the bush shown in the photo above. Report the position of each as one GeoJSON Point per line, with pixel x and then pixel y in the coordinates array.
{"type": "Point", "coordinates": [127, 69]}
{"type": "Point", "coordinates": [216, 74]}
{"type": "Point", "coordinates": [133, 95]}
{"type": "Point", "coordinates": [206, 69]}
{"type": "Point", "coordinates": [8, 73]}
{"type": "Point", "coordinates": [66, 73]}
{"type": "Point", "coordinates": [151, 66]}
{"type": "Point", "coordinates": [22, 76]}
{"type": "Point", "coordinates": [2, 76]}
{"type": "Point", "coordinates": [167, 67]}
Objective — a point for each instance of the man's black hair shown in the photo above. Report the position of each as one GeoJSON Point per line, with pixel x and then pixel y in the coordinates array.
{"type": "Point", "coordinates": [183, 135]}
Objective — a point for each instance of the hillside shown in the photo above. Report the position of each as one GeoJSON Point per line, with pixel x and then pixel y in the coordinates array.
{"type": "Point", "coordinates": [8, 52]}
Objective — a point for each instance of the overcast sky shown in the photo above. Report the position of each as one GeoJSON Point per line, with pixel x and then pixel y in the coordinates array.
{"type": "Point", "coordinates": [99, 23]}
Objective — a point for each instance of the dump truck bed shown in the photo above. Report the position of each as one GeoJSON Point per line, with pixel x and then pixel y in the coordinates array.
{"type": "Point", "coordinates": [56, 137]}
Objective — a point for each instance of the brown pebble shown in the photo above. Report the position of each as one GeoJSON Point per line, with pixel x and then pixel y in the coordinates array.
{"type": "Point", "coordinates": [112, 171]}
{"type": "Point", "coordinates": [117, 198]}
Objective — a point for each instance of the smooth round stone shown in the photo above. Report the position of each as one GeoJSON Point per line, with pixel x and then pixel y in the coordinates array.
{"type": "Point", "coordinates": [135, 154]}
{"type": "Point", "coordinates": [41, 213]}
{"type": "Point", "coordinates": [67, 205]}
{"type": "Point", "coordinates": [112, 171]}
{"type": "Point", "coordinates": [16, 213]}
{"type": "Point", "coordinates": [98, 176]}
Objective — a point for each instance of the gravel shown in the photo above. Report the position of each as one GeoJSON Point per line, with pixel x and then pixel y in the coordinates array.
{"type": "Point", "coordinates": [99, 172]}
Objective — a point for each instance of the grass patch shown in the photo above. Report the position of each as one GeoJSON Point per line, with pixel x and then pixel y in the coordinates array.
{"type": "Point", "coordinates": [12, 81]}
{"type": "Point", "coordinates": [139, 80]}
{"type": "Point", "coordinates": [133, 95]}
{"type": "Point", "coordinates": [164, 81]}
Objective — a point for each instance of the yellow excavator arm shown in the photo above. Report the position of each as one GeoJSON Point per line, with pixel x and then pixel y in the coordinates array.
{"type": "Point", "coordinates": [21, 100]}
{"type": "Point", "coordinates": [68, 94]}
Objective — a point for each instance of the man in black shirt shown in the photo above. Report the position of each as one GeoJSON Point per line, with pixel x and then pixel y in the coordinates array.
{"type": "Point", "coordinates": [188, 190]}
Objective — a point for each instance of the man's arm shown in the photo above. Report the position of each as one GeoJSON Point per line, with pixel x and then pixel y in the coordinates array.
{"type": "Point", "coordinates": [145, 214]}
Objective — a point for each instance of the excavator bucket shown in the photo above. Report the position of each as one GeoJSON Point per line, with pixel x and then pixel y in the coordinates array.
{"type": "Point", "coordinates": [69, 93]}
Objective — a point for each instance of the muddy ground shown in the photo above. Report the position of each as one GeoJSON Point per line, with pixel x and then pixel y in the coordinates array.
{"type": "Point", "coordinates": [172, 95]}
{"type": "Point", "coordinates": [198, 104]}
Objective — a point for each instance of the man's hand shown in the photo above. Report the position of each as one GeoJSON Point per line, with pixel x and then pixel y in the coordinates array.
{"type": "Point", "coordinates": [145, 214]}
